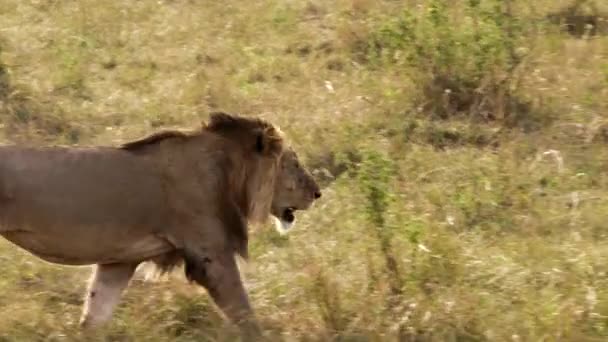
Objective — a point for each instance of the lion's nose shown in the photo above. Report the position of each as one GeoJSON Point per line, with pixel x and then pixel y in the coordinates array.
{"type": "Point", "coordinates": [317, 194]}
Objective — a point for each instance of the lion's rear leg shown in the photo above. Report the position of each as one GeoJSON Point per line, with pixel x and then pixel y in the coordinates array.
{"type": "Point", "coordinates": [104, 291]}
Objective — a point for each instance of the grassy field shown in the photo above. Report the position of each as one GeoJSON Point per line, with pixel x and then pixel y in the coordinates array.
{"type": "Point", "coordinates": [462, 146]}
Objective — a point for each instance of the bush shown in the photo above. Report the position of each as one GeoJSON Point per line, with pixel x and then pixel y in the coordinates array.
{"type": "Point", "coordinates": [465, 63]}
{"type": "Point", "coordinates": [582, 18]}
{"type": "Point", "coordinates": [375, 177]}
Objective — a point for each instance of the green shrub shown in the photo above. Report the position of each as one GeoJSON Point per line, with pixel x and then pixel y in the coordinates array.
{"type": "Point", "coordinates": [375, 175]}
{"type": "Point", "coordinates": [582, 18]}
{"type": "Point", "coordinates": [464, 55]}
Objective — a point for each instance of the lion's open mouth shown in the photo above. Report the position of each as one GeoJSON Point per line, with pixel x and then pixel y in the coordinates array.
{"type": "Point", "coordinates": [289, 215]}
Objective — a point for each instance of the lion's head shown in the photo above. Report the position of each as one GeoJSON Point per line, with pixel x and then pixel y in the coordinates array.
{"type": "Point", "coordinates": [261, 146]}
{"type": "Point", "coordinates": [294, 189]}
{"type": "Point", "coordinates": [269, 178]}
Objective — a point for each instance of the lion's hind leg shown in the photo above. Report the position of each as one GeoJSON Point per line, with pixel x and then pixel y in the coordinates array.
{"type": "Point", "coordinates": [104, 292]}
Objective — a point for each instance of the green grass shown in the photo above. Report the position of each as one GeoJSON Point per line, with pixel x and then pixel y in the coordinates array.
{"type": "Point", "coordinates": [462, 149]}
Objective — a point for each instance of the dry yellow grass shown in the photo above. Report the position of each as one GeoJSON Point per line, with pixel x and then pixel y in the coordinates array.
{"type": "Point", "coordinates": [493, 237]}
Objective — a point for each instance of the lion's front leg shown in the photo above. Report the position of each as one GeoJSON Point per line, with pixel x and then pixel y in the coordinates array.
{"type": "Point", "coordinates": [219, 274]}
{"type": "Point", "coordinates": [104, 291]}
{"type": "Point", "coordinates": [209, 241]}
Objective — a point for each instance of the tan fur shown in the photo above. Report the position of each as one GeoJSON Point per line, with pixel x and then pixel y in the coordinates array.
{"type": "Point", "coordinates": [261, 181]}
{"type": "Point", "coordinates": [171, 198]}
{"type": "Point", "coordinates": [251, 185]}
{"type": "Point", "coordinates": [294, 187]}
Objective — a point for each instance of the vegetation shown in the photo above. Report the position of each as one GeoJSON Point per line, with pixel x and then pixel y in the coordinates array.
{"type": "Point", "coordinates": [461, 145]}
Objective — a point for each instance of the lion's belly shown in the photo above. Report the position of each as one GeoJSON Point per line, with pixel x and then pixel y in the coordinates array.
{"type": "Point", "coordinates": [84, 252]}
{"type": "Point", "coordinates": [82, 207]}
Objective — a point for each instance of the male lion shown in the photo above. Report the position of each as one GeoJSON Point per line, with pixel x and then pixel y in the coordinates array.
{"type": "Point", "coordinates": [169, 198]}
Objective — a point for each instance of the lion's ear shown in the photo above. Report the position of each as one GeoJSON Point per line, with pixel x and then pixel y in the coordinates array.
{"type": "Point", "coordinates": [268, 142]}
{"type": "Point", "coordinates": [264, 144]}
{"type": "Point", "coordinates": [260, 144]}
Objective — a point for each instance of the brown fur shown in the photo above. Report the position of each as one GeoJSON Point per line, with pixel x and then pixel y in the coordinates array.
{"type": "Point", "coordinates": [249, 186]}
{"type": "Point", "coordinates": [169, 198]}
{"type": "Point", "coordinates": [153, 139]}
{"type": "Point", "coordinates": [294, 187]}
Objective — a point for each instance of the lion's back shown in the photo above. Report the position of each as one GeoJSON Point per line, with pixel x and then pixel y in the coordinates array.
{"type": "Point", "coordinates": [86, 188]}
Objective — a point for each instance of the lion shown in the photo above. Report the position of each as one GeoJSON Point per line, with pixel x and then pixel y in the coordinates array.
{"type": "Point", "coordinates": [290, 180]}
{"type": "Point", "coordinates": [170, 198]}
